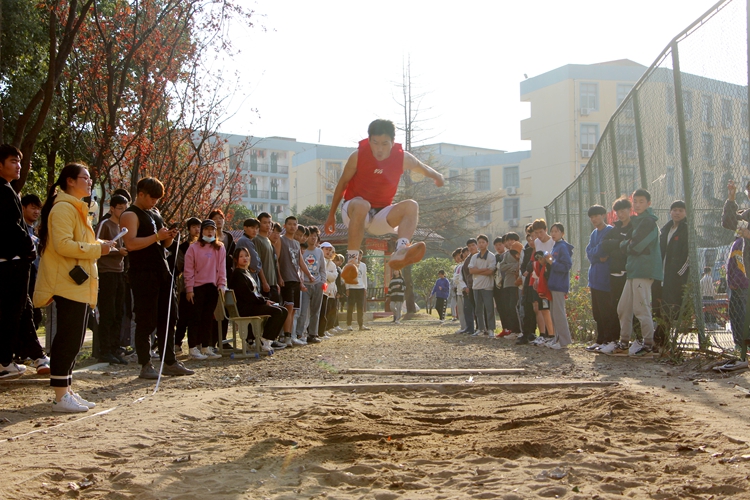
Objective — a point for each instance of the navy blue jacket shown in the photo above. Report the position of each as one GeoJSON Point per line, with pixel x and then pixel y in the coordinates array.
{"type": "Point", "coordinates": [598, 270]}
{"type": "Point", "coordinates": [562, 261]}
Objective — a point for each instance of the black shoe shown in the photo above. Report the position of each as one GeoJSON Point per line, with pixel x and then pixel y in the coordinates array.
{"type": "Point", "coordinates": [278, 345]}
{"type": "Point", "coordinates": [149, 372]}
{"type": "Point", "coordinates": [109, 358]}
{"type": "Point", "coordinates": [313, 340]}
{"type": "Point", "coordinates": [120, 359]}
{"type": "Point", "coordinates": [523, 340]}
{"type": "Point", "coordinates": [177, 369]}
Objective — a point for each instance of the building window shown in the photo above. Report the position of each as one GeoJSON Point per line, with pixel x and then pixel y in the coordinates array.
{"type": "Point", "coordinates": [707, 110]}
{"type": "Point", "coordinates": [511, 177]}
{"type": "Point", "coordinates": [333, 172]}
{"type": "Point", "coordinates": [628, 179]}
{"type": "Point", "coordinates": [454, 181]}
{"type": "Point", "coordinates": [687, 102]}
{"type": "Point", "coordinates": [329, 199]}
{"type": "Point", "coordinates": [670, 181]}
{"type": "Point", "coordinates": [626, 141]}
{"type": "Point", "coordinates": [484, 215]}
{"type": "Point", "coordinates": [622, 91]}
{"type": "Point", "coordinates": [743, 115]}
{"type": "Point", "coordinates": [590, 96]}
{"type": "Point", "coordinates": [669, 101]}
{"type": "Point", "coordinates": [745, 152]}
{"type": "Point", "coordinates": [589, 137]}
{"type": "Point", "coordinates": [670, 140]}
{"type": "Point", "coordinates": [727, 146]}
{"type": "Point", "coordinates": [708, 147]}
{"type": "Point", "coordinates": [689, 137]}
{"type": "Point", "coordinates": [482, 180]}
{"type": "Point", "coordinates": [708, 185]}
{"type": "Point", "coordinates": [511, 208]}
{"type": "Point", "coordinates": [727, 116]}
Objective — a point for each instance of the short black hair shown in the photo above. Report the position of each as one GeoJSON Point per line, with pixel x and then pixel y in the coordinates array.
{"type": "Point", "coordinates": [642, 192]}
{"type": "Point", "coordinates": [621, 203]}
{"type": "Point", "coordinates": [497, 240]}
{"type": "Point", "coordinates": [559, 226]}
{"type": "Point", "coordinates": [6, 151]}
{"type": "Point", "coordinates": [291, 217]}
{"type": "Point", "coordinates": [597, 210]}
{"type": "Point", "coordinates": [382, 127]}
{"type": "Point", "coordinates": [264, 215]}
{"type": "Point", "coordinates": [151, 186]}
{"type": "Point", "coordinates": [441, 272]}
{"type": "Point", "coordinates": [192, 221]}
{"type": "Point", "coordinates": [512, 236]}
{"type": "Point", "coordinates": [251, 222]}
{"type": "Point", "coordinates": [677, 204]}
{"type": "Point", "coordinates": [31, 199]}
{"type": "Point", "coordinates": [117, 200]}
{"type": "Point", "coordinates": [483, 237]}
{"type": "Point", "coordinates": [470, 241]}
{"type": "Point", "coordinates": [124, 193]}
{"type": "Point", "coordinates": [277, 227]}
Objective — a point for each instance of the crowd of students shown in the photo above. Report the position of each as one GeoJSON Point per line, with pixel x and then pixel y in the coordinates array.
{"type": "Point", "coordinates": [132, 266]}
{"type": "Point", "coordinates": [636, 270]}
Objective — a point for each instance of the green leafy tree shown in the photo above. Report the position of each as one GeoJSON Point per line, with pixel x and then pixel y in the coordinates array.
{"type": "Point", "coordinates": [237, 214]}
{"type": "Point", "coordinates": [317, 215]}
{"type": "Point", "coordinates": [424, 274]}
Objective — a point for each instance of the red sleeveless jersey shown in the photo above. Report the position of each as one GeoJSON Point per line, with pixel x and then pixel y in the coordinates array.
{"type": "Point", "coordinates": [376, 181]}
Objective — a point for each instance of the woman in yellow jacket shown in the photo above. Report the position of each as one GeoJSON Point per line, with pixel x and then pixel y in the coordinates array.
{"type": "Point", "coordinates": [68, 276]}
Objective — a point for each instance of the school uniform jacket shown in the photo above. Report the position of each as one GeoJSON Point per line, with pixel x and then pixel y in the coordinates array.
{"type": "Point", "coordinates": [675, 259]}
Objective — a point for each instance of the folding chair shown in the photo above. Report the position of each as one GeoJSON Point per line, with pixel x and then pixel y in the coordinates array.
{"type": "Point", "coordinates": [229, 311]}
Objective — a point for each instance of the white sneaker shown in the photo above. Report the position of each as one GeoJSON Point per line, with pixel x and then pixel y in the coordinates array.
{"type": "Point", "coordinates": [608, 348]}
{"type": "Point", "coordinates": [210, 353]}
{"type": "Point", "coordinates": [556, 346]}
{"type": "Point", "coordinates": [78, 399]}
{"type": "Point", "coordinates": [265, 345]}
{"type": "Point", "coordinates": [154, 354]}
{"type": "Point", "coordinates": [477, 333]}
{"type": "Point", "coordinates": [12, 370]}
{"type": "Point", "coordinates": [288, 341]}
{"type": "Point", "coordinates": [635, 347]}
{"type": "Point", "coordinates": [195, 353]}
{"type": "Point", "coordinates": [68, 404]}
{"type": "Point", "coordinates": [593, 347]}
{"type": "Point", "coordinates": [41, 365]}
{"type": "Point", "coordinates": [350, 328]}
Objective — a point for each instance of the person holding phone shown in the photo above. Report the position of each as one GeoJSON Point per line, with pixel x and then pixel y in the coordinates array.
{"type": "Point", "coordinates": [151, 279]}
{"type": "Point", "coordinates": [68, 276]}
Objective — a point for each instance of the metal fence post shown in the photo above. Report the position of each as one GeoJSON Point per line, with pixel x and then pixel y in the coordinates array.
{"type": "Point", "coordinates": [687, 182]}
{"type": "Point", "coordinates": [600, 177]}
{"type": "Point", "coordinates": [582, 235]}
{"type": "Point", "coordinates": [615, 163]}
{"type": "Point", "coordinates": [639, 139]}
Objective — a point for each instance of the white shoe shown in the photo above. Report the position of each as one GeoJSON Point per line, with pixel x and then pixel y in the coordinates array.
{"type": "Point", "coordinates": [288, 341]}
{"type": "Point", "coordinates": [154, 354]}
{"type": "Point", "coordinates": [265, 345]}
{"type": "Point", "coordinates": [210, 353]}
{"type": "Point", "coordinates": [350, 328]}
{"type": "Point", "coordinates": [593, 347]}
{"type": "Point", "coordinates": [12, 370]}
{"type": "Point", "coordinates": [608, 348]}
{"type": "Point", "coordinates": [338, 329]}
{"type": "Point", "coordinates": [195, 353]}
{"type": "Point", "coordinates": [41, 365]}
{"type": "Point", "coordinates": [78, 399]}
{"type": "Point", "coordinates": [635, 347]}
{"type": "Point", "coordinates": [556, 346]}
{"type": "Point", "coordinates": [68, 404]}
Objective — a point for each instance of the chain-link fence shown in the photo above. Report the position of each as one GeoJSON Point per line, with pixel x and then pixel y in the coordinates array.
{"type": "Point", "coordinates": [682, 133]}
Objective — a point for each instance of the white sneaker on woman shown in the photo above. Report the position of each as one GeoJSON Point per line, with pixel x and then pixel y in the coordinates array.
{"type": "Point", "coordinates": [68, 404]}
{"type": "Point", "coordinates": [195, 353]}
{"type": "Point", "coordinates": [78, 399]}
{"type": "Point", "coordinates": [210, 353]}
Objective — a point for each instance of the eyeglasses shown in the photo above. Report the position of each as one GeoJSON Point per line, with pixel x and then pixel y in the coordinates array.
{"type": "Point", "coordinates": [88, 179]}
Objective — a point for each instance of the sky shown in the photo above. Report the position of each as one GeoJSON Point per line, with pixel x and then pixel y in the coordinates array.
{"type": "Point", "coordinates": [321, 71]}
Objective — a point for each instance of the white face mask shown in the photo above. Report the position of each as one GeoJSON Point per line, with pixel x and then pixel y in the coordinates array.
{"type": "Point", "coordinates": [208, 239]}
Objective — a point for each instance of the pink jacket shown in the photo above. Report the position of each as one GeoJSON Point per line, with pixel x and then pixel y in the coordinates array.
{"type": "Point", "coordinates": [203, 265]}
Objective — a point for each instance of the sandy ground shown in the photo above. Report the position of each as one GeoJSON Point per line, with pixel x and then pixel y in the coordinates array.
{"type": "Point", "coordinates": [297, 425]}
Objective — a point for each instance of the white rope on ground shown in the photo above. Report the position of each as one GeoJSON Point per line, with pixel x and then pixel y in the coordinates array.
{"type": "Point", "coordinates": [139, 400]}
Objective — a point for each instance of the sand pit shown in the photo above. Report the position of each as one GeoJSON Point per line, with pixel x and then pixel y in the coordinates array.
{"type": "Point", "coordinates": [241, 429]}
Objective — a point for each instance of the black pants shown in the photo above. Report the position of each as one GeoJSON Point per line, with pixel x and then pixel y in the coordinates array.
{"type": "Point", "coordinates": [111, 300]}
{"type": "Point", "coordinates": [37, 312]}
{"type": "Point", "coordinates": [440, 304]}
{"type": "Point", "coordinates": [508, 303]}
{"type": "Point", "coordinates": [72, 318]}
{"type": "Point", "coordinates": [153, 305]}
{"type": "Point", "coordinates": [605, 315]}
{"type": "Point", "coordinates": [202, 315]}
{"type": "Point", "coordinates": [497, 294]}
{"type": "Point", "coordinates": [529, 316]}
{"type": "Point", "coordinates": [323, 317]}
{"type": "Point", "coordinates": [469, 311]}
{"type": "Point", "coordinates": [274, 324]}
{"type": "Point", "coordinates": [183, 319]}
{"type": "Point", "coordinates": [356, 298]}
{"type": "Point", "coordinates": [331, 312]}
{"type": "Point", "coordinates": [17, 331]}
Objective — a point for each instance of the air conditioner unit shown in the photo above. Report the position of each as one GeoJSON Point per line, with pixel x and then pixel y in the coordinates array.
{"type": "Point", "coordinates": [330, 186]}
{"type": "Point", "coordinates": [587, 153]}
{"type": "Point", "coordinates": [585, 111]}
{"type": "Point", "coordinates": [511, 191]}
{"type": "Point", "coordinates": [513, 223]}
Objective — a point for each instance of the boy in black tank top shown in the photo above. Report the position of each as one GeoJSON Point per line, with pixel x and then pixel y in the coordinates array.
{"type": "Point", "coordinates": [151, 278]}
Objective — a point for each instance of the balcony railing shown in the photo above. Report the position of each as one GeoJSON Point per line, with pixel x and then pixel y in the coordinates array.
{"type": "Point", "coordinates": [268, 167]}
{"type": "Point", "coordinates": [267, 195]}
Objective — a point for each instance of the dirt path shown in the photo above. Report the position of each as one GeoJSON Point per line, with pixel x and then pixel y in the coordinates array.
{"type": "Point", "coordinates": [298, 426]}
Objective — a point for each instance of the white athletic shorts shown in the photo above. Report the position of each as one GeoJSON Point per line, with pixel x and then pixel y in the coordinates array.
{"type": "Point", "coordinates": [375, 222]}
